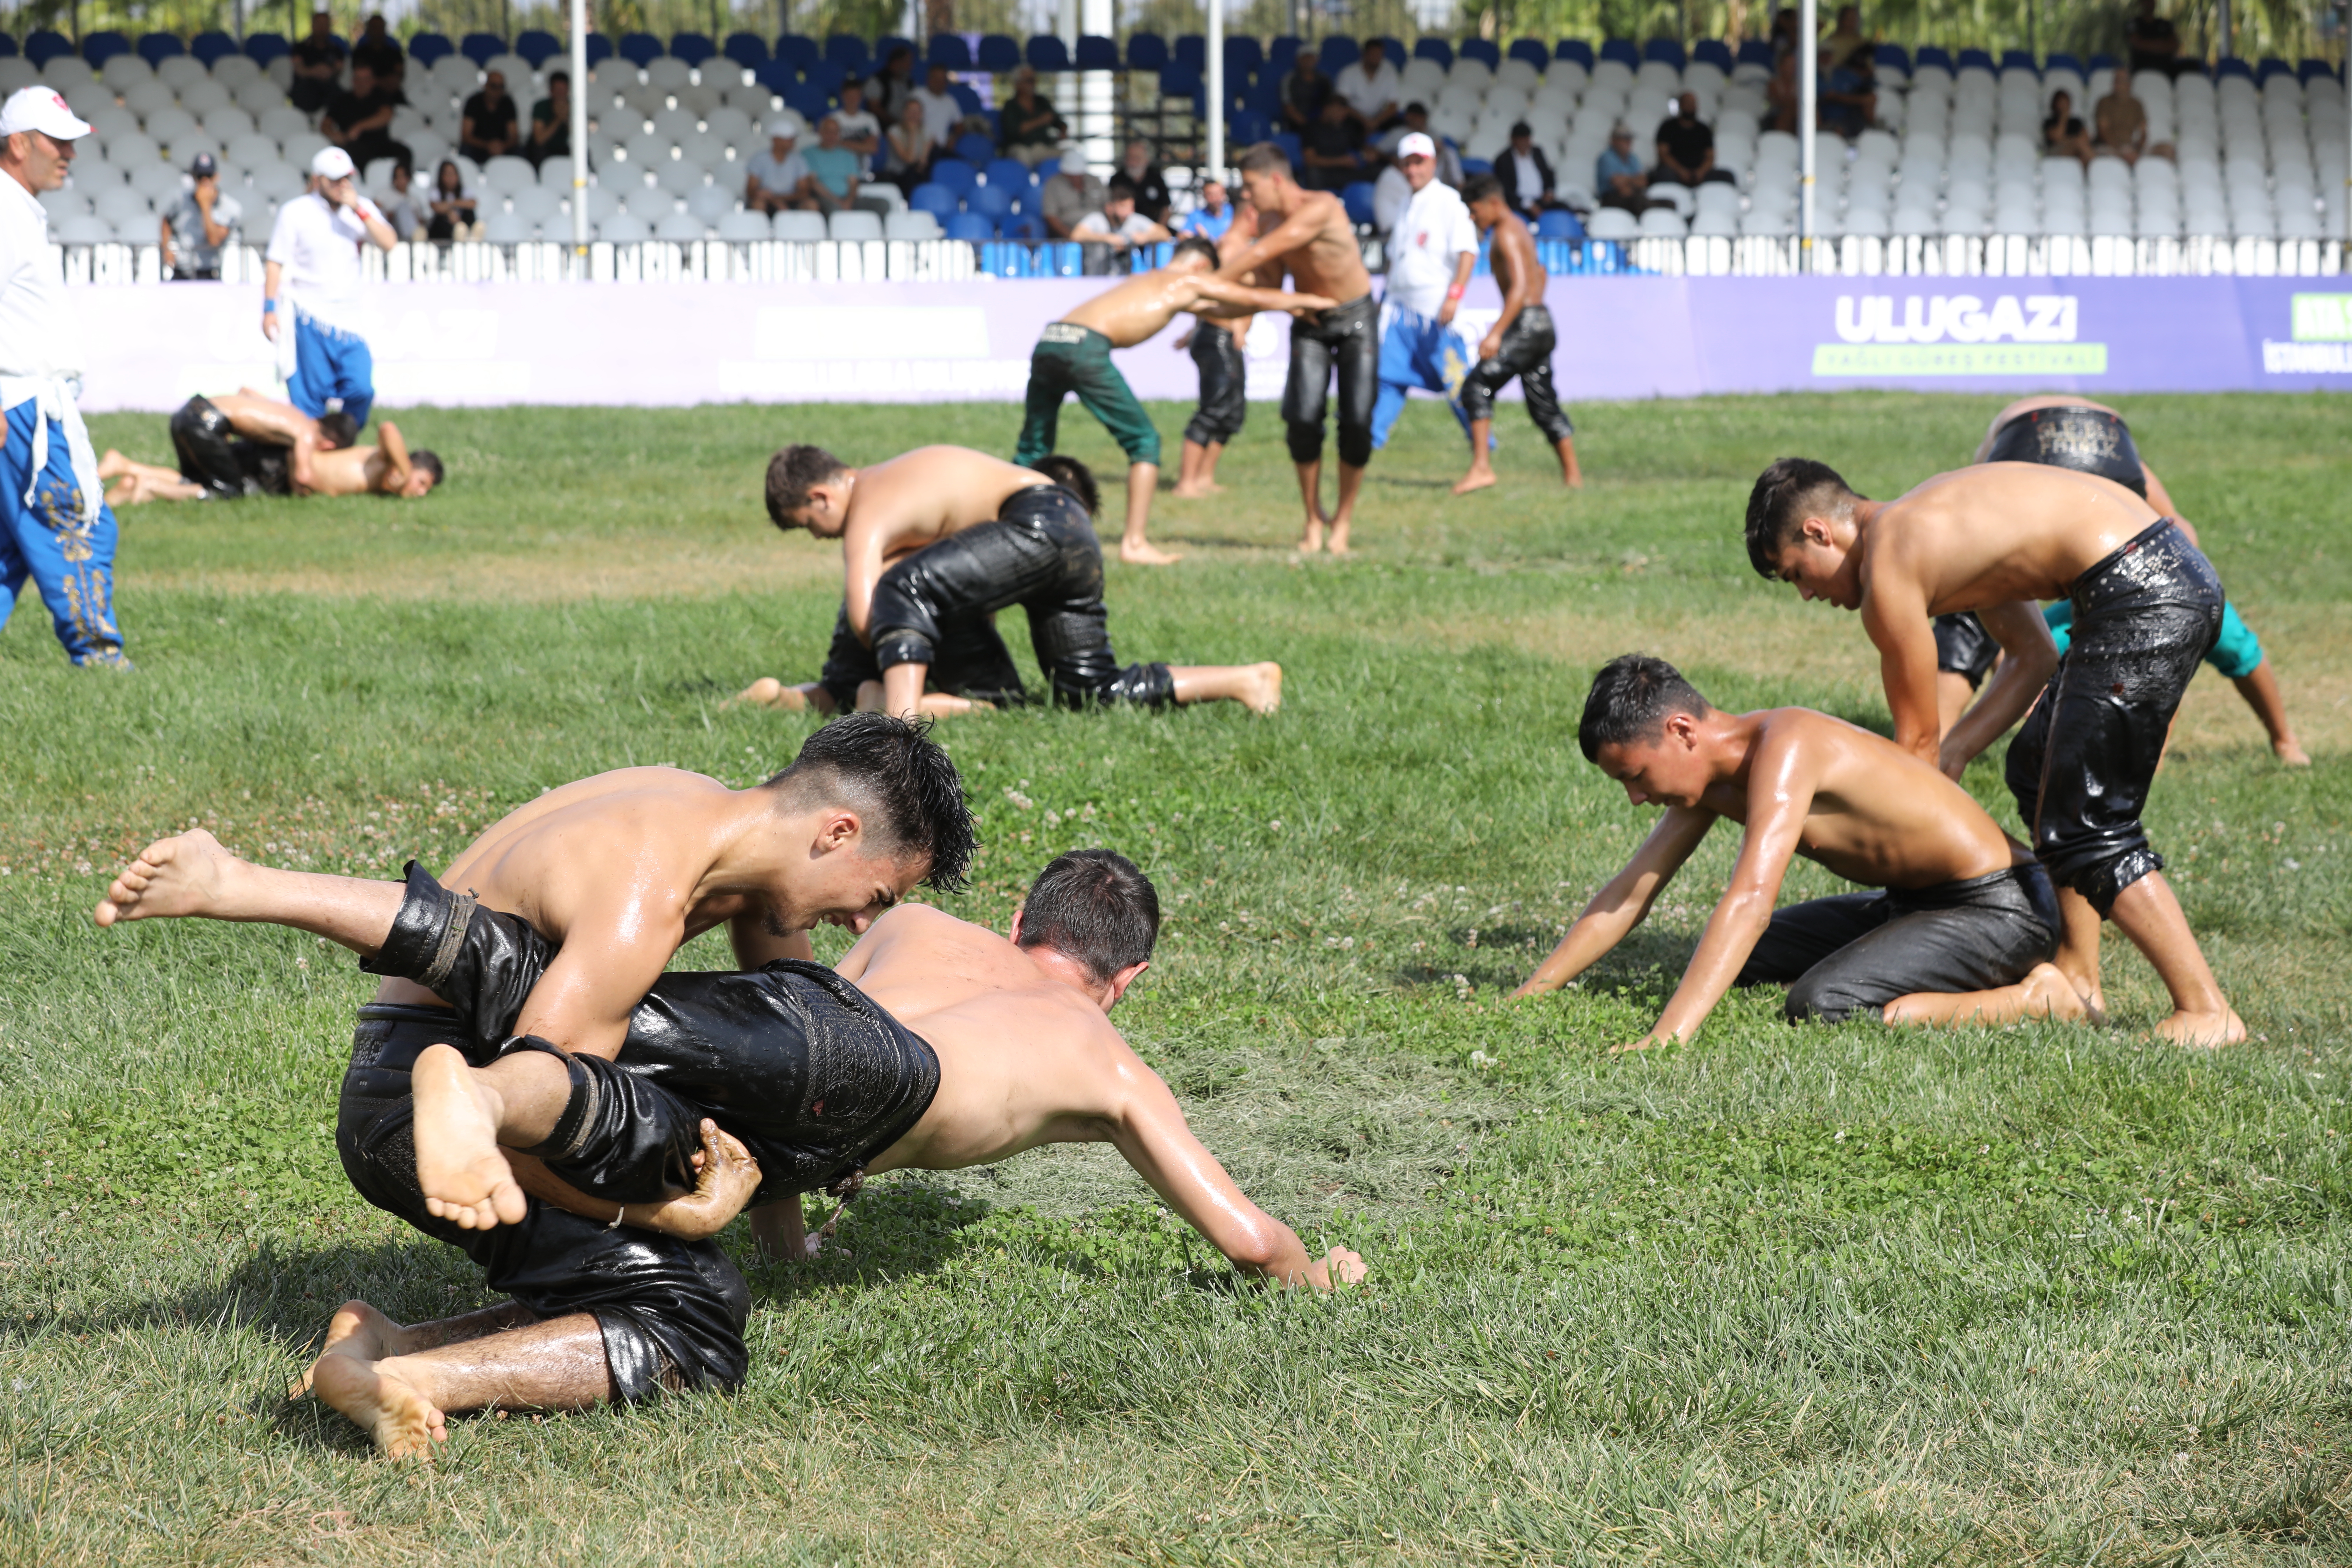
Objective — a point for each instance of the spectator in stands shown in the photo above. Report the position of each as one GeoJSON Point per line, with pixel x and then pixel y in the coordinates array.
{"type": "Point", "coordinates": [1212, 217]}
{"type": "Point", "coordinates": [832, 173]}
{"type": "Point", "coordinates": [1687, 149]}
{"type": "Point", "coordinates": [2153, 42]}
{"type": "Point", "coordinates": [487, 128]}
{"type": "Point", "coordinates": [1618, 177]}
{"type": "Point", "coordinates": [551, 123]}
{"type": "Point", "coordinates": [1526, 174]}
{"type": "Point", "coordinates": [453, 207]}
{"type": "Point", "coordinates": [860, 131]}
{"type": "Point", "coordinates": [941, 110]}
{"type": "Point", "coordinates": [318, 62]}
{"type": "Point", "coordinates": [194, 230]}
{"type": "Point", "coordinates": [1782, 95]}
{"type": "Point", "coordinates": [1151, 184]}
{"type": "Point", "coordinates": [1415, 121]}
{"type": "Point", "coordinates": [1070, 194]}
{"type": "Point", "coordinates": [1784, 34]}
{"type": "Point", "coordinates": [359, 120]}
{"type": "Point", "coordinates": [907, 151]}
{"type": "Point", "coordinates": [1849, 92]}
{"type": "Point", "coordinates": [404, 206]}
{"type": "Point", "coordinates": [1030, 127]}
{"type": "Point", "coordinates": [1303, 93]}
{"type": "Point", "coordinates": [2122, 122]}
{"type": "Point", "coordinates": [772, 181]}
{"type": "Point", "coordinates": [1118, 224]}
{"type": "Point", "coordinates": [1370, 88]}
{"type": "Point", "coordinates": [2063, 134]}
{"type": "Point", "coordinates": [1333, 148]}
{"type": "Point", "coordinates": [383, 54]}
{"type": "Point", "coordinates": [1847, 36]}
{"type": "Point", "coordinates": [894, 84]}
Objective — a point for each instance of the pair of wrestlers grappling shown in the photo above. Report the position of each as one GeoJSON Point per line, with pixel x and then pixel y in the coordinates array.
{"type": "Point", "coordinates": [529, 1085]}
{"type": "Point", "coordinates": [246, 443]}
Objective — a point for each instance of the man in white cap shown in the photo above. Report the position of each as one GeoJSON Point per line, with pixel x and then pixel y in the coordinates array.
{"type": "Point", "coordinates": [771, 181]}
{"type": "Point", "coordinates": [1069, 193]}
{"type": "Point", "coordinates": [1431, 253]}
{"type": "Point", "coordinates": [55, 525]}
{"type": "Point", "coordinates": [314, 257]}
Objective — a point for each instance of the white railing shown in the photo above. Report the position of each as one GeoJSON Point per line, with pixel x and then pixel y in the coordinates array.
{"type": "Point", "coordinates": [651, 261]}
{"type": "Point", "coordinates": [1989, 256]}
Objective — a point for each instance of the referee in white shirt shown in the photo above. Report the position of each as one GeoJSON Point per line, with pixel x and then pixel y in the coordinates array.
{"type": "Point", "coordinates": [1431, 253]}
{"type": "Point", "coordinates": [311, 271]}
{"type": "Point", "coordinates": [56, 527]}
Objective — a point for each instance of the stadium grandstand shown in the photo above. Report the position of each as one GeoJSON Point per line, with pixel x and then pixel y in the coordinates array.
{"type": "Point", "coordinates": [1947, 165]}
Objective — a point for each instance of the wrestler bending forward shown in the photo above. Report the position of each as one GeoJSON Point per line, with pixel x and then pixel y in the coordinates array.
{"type": "Point", "coordinates": [819, 1073]}
{"type": "Point", "coordinates": [229, 446]}
{"type": "Point", "coordinates": [1962, 933]}
{"type": "Point", "coordinates": [934, 542]}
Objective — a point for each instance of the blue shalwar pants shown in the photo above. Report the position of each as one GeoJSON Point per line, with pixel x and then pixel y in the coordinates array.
{"type": "Point", "coordinates": [330, 363]}
{"type": "Point", "coordinates": [1415, 351]}
{"type": "Point", "coordinates": [71, 558]}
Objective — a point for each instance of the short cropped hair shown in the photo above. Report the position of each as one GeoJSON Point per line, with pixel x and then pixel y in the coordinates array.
{"type": "Point", "coordinates": [1193, 245]}
{"type": "Point", "coordinates": [792, 474]}
{"type": "Point", "coordinates": [902, 785]}
{"type": "Point", "coordinates": [1631, 698]}
{"type": "Point", "coordinates": [1520, 128]}
{"type": "Point", "coordinates": [1265, 158]}
{"type": "Point", "coordinates": [1790, 490]}
{"type": "Point", "coordinates": [1073, 477]}
{"type": "Point", "coordinates": [425, 457]}
{"type": "Point", "coordinates": [337, 429]}
{"type": "Point", "coordinates": [1478, 187]}
{"type": "Point", "coordinates": [1095, 906]}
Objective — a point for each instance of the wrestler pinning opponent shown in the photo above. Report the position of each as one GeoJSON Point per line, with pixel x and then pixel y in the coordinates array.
{"type": "Point", "coordinates": [934, 543]}
{"type": "Point", "coordinates": [1073, 354]}
{"type": "Point", "coordinates": [936, 1045]}
{"type": "Point", "coordinates": [1218, 345]}
{"type": "Point", "coordinates": [236, 445]}
{"type": "Point", "coordinates": [1519, 343]}
{"type": "Point", "coordinates": [1997, 540]}
{"type": "Point", "coordinates": [1963, 933]}
{"type": "Point", "coordinates": [1309, 233]}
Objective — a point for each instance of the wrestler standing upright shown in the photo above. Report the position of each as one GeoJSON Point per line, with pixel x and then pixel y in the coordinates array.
{"type": "Point", "coordinates": [1519, 342]}
{"type": "Point", "coordinates": [1219, 345]}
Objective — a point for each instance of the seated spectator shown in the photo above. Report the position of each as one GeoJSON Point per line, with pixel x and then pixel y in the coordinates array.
{"type": "Point", "coordinates": [453, 207]}
{"type": "Point", "coordinates": [1783, 97]}
{"type": "Point", "coordinates": [1687, 149]}
{"type": "Point", "coordinates": [888, 93]}
{"type": "Point", "coordinates": [1069, 193]}
{"type": "Point", "coordinates": [1303, 93]}
{"type": "Point", "coordinates": [1849, 93]}
{"type": "Point", "coordinates": [1370, 88]}
{"type": "Point", "coordinates": [1031, 128]}
{"type": "Point", "coordinates": [2153, 42]}
{"type": "Point", "coordinates": [404, 206]}
{"type": "Point", "coordinates": [1333, 148]}
{"type": "Point", "coordinates": [1416, 119]}
{"type": "Point", "coordinates": [1618, 178]}
{"type": "Point", "coordinates": [1151, 184]}
{"type": "Point", "coordinates": [772, 181]}
{"type": "Point", "coordinates": [2064, 135]}
{"type": "Point", "coordinates": [860, 131]}
{"type": "Point", "coordinates": [942, 111]}
{"type": "Point", "coordinates": [318, 62]}
{"type": "Point", "coordinates": [383, 56]}
{"type": "Point", "coordinates": [1212, 217]}
{"type": "Point", "coordinates": [359, 120]}
{"type": "Point", "coordinates": [551, 123]}
{"type": "Point", "coordinates": [832, 182]}
{"type": "Point", "coordinates": [487, 128]}
{"type": "Point", "coordinates": [907, 152]}
{"type": "Point", "coordinates": [1848, 36]}
{"type": "Point", "coordinates": [1526, 174]}
{"type": "Point", "coordinates": [202, 221]}
{"type": "Point", "coordinates": [1118, 225]}
{"type": "Point", "coordinates": [2122, 122]}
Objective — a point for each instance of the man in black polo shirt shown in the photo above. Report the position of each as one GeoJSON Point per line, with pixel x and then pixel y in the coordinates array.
{"type": "Point", "coordinates": [318, 62]}
{"type": "Point", "coordinates": [490, 125]}
{"type": "Point", "coordinates": [359, 120]}
{"type": "Point", "coordinates": [1687, 149]}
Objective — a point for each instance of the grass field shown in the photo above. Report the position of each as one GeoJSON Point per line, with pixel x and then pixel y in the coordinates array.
{"type": "Point", "coordinates": [1843, 1296]}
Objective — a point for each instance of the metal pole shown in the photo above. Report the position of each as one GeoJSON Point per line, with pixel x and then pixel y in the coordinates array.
{"type": "Point", "coordinates": [580, 131]}
{"type": "Point", "coordinates": [236, 17]}
{"type": "Point", "coordinates": [2222, 29]}
{"type": "Point", "coordinates": [1808, 115]}
{"type": "Point", "coordinates": [1216, 9]}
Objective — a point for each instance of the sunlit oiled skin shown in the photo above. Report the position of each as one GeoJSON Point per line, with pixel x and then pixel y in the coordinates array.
{"type": "Point", "coordinates": [1309, 232]}
{"type": "Point", "coordinates": [380, 470]}
{"type": "Point", "coordinates": [1134, 311]}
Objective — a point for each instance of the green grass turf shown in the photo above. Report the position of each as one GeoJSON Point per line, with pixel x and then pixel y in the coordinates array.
{"type": "Point", "coordinates": [2052, 1295]}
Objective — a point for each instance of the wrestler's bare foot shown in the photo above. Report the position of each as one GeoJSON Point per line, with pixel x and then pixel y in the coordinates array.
{"type": "Point", "coordinates": [2044, 993]}
{"type": "Point", "coordinates": [1200, 491]}
{"type": "Point", "coordinates": [113, 465]}
{"type": "Point", "coordinates": [2047, 993]}
{"type": "Point", "coordinates": [1312, 539]}
{"type": "Point", "coordinates": [2291, 753]}
{"type": "Point", "coordinates": [187, 874]}
{"type": "Point", "coordinates": [396, 1417]}
{"type": "Point", "coordinates": [1264, 694]}
{"type": "Point", "coordinates": [1147, 554]}
{"type": "Point", "coordinates": [1337, 543]}
{"type": "Point", "coordinates": [769, 692]}
{"type": "Point", "coordinates": [2206, 1030]}
{"type": "Point", "coordinates": [1481, 475]}
{"type": "Point", "coordinates": [357, 1330]}
{"type": "Point", "coordinates": [467, 1180]}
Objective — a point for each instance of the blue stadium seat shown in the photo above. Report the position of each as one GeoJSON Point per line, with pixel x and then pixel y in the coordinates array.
{"type": "Point", "coordinates": [1535, 51]}
{"type": "Point", "coordinates": [1622, 51]}
{"type": "Point", "coordinates": [1980, 59]}
{"type": "Point", "coordinates": [692, 47]}
{"type": "Point", "coordinates": [777, 76]}
{"type": "Point", "coordinates": [746, 49]}
{"type": "Point", "coordinates": [1928, 55]}
{"type": "Point", "coordinates": [640, 49]}
{"type": "Point", "coordinates": [1757, 52]}
{"type": "Point", "coordinates": [2104, 62]}
{"type": "Point", "coordinates": [1022, 226]}
{"type": "Point", "coordinates": [2019, 59]}
{"type": "Point", "coordinates": [1287, 142]}
{"type": "Point", "coordinates": [826, 76]}
{"type": "Point", "coordinates": [1192, 49]}
{"type": "Point", "coordinates": [481, 47]}
{"type": "Point", "coordinates": [1282, 53]}
{"type": "Point", "coordinates": [102, 46]}
{"type": "Point", "coordinates": [966, 99]}
{"type": "Point", "coordinates": [1892, 57]}
{"type": "Point", "coordinates": [1716, 53]}
{"type": "Point", "coordinates": [949, 49]}
{"type": "Point", "coordinates": [2068, 62]}
{"type": "Point", "coordinates": [1148, 52]}
{"type": "Point", "coordinates": [848, 50]}
{"type": "Point", "coordinates": [46, 44]}
{"type": "Point", "coordinates": [1244, 127]}
{"type": "Point", "coordinates": [1429, 46]}
{"type": "Point", "coordinates": [1579, 51]}
{"type": "Point", "coordinates": [969, 225]}
{"type": "Point", "coordinates": [1393, 51]}
{"type": "Point", "coordinates": [215, 46]}
{"type": "Point", "coordinates": [1476, 166]}
{"type": "Point", "coordinates": [999, 55]}
{"type": "Point", "coordinates": [259, 48]}
{"type": "Point", "coordinates": [600, 49]}
{"type": "Point", "coordinates": [890, 41]}
{"type": "Point", "coordinates": [994, 201]}
{"type": "Point", "coordinates": [2311, 70]}
{"type": "Point", "coordinates": [2270, 66]}
{"type": "Point", "coordinates": [7, 46]}
{"type": "Point", "coordinates": [1243, 57]}
{"type": "Point", "coordinates": [933, 198]}
{"type": "Point", "coordinates": [1483, 50]}
{"type": "Point", "coordinates": [1184, 81]}
{"type": "Point", "coordinates": [536, 45]}
{"type": "Point", "coordinates": [955, 174]}
{"type": "Point", "coordinates": [2232, 66]}
{"type": "Point", "coordinates": [157, 47]}
{"type": "Point", "coordinates": [1337, 53]}
{"type": "Point", "coordinates": [1667, 51]}
{"type": "Point", "coordinates": [1096, 53]}
{"type": "Point", "coordinates": [811, 103]}
{"type": "Point", "coordinates": [1358, 199]}
{"type": "Point", "coordinates": [798, 49]}
{"type": "Point", "coordinates": [1009, 173]}
{"type": "Point", "coordinates": [1048, 53]}
{"type": "Point", "coordinates": [1558, 223]}
{"type": "Point", "coordinates": [975, 149]}
{"type": "Point", "coordinates": [1265, 98]}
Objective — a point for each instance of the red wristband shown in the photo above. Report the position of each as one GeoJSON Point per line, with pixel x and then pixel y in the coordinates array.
{"type": "Point", "coordinates": [1456, 293]}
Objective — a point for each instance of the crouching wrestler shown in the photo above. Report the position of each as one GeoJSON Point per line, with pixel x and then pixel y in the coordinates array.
{"type": "Point", "coordinates": [1962, 931]}
{"type": "Point", "coordinates": [239, 444]}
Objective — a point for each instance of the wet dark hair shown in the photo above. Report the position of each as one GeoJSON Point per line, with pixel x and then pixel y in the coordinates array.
{"type": "Point", "coordinates": [1193, 245]}
{"type": "Point", "coordinates": [1265, 158]}
{"type": "Point", "coordinates": [1119, 186]}
{"type": "Point", "coordinates": [902, 785]}
{"type": "Point", "coordinates": [1073, 477]}
{"type": "Point", "coordinates": [1478, 187]}
{"type": "Point", "coordinates": [1631, 698]}
{"type": "Point", "coordinates": [1095, 906]}
{"type": "Point", "coordinates": [791, 474]}
{"type": "Point", "coordinates": [1787, 493]}
{"type": "Point", "coordinates": [338, 429]}
{"type": "Point", "coordinates": [430, 461]}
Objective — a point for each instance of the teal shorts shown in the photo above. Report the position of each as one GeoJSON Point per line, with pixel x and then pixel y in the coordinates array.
{"type": "Point", "coordinates": [2236, 654]}
{"type": "Point", "coordinates": [1070, 358]}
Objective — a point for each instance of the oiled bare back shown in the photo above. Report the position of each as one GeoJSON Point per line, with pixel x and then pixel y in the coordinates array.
{"type": "Point", "coordinates": [921, 497]}
{"type": "Point", "coordinates": [1999, 532]}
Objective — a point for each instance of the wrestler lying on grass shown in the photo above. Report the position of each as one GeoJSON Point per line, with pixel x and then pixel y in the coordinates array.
{"type": "Point", "coordinates": [309, 464]}
{"type": "Point", "coordinates": [934, 542]}
{"type": "Point", "coordinates": [229, 446]}
{"type": "Point", "coordinates": [818, 1073]}
{"type": "Point", "coordinates": [1962, 934]}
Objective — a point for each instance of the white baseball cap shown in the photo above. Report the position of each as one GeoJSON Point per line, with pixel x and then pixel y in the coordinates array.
{"type": "Point", "coordinates": [333, 164]}
{"type": "Point", "coordinates": [40, 109]}
{"type": "Point", "coordinates": [1416, 144]}
{"type": "Point", "coordinates": [787, 125]}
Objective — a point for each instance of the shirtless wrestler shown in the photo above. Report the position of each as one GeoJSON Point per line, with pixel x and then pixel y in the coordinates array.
{"type": "Point", "coordinates": [938, 540]}
{"type": "Point", "coordinates": [620, 870]}
{"type": "Point", "coordinates": [1999, 539]}
{"type": "Point", "coordinates": [935, 1046]}
{"type": "Point", "coordinates": [231, 446]}
{"type": "Point", "coordinates": [1073, 354]}
{"type": "Point", "coordinates": [386, 468]}
{"type": "Point", "coordinates": [1310, 233]}
{"type": "Point", "coordinates": [1219, 345]}
{"type": "Point", "coordinates": [1519, 343]}
{"type": "Point", "coordinates": [1962, 934]}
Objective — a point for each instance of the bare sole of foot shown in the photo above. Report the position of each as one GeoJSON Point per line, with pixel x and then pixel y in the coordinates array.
{"type": "Point", "coordinates": [769, 692]}
{"type": "Point", "coordinates": [358, 1330]}
{"type": "Point", "coordinates": [467, 1180]}
{"type": "Point", "coordinates": [1267, 696]}
{"type": "Point", "coordinates": [1473, 480]}
{"type": "Point", "coordinates": [396, 1417]}
{"type": "Point", "coordinates": [2207, 1031]}
{"type": "Point", "coordinates": [2293, 755]}
{"type": "Point", "coordinates": [2048, 993]}
{"type": "Point", "coordinates": [173, 876]}
{"type": "Point", "coordinates": [1147, 556]}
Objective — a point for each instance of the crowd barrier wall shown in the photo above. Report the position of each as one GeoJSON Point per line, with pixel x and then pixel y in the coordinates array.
{"type": "Point", "coordinates": [677, 345]}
